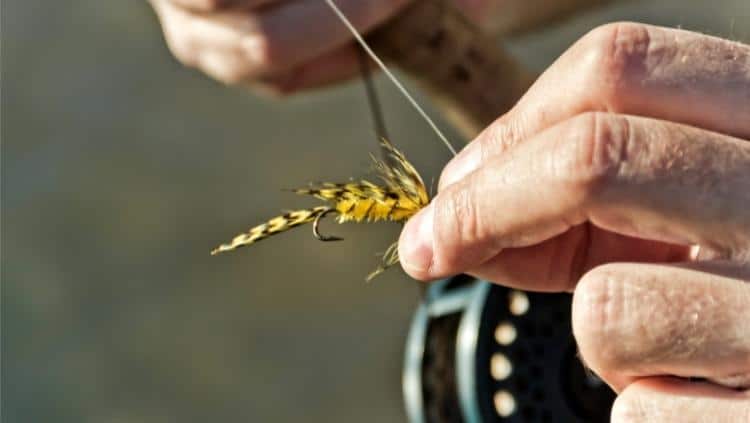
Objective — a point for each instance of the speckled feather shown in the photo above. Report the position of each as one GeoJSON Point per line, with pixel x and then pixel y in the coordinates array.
{"type": "Point", "coordinates": [274, 226]}
{"type": "Point", "coordinates": [401, 196]}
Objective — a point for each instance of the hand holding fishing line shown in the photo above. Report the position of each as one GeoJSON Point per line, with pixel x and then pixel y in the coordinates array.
{"type": "Point", "coordinates": [288, 46]}
{"type": "Point", "coordinates": [627, 153]}
{"type": "Point", "coordinates": [279, 45]}
{"type": "Point", "coordinates": [631, 148]}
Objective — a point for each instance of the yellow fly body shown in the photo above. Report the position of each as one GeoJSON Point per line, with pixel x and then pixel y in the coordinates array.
{"type": "Point", "coordinates": [401, 196]}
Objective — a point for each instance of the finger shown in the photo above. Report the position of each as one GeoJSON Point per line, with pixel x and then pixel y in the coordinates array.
{"type": "Point", "coordinates": [638, 320]}
{"type": "Point", "coordinates": [330, 68]}
{"type": "Point", "coordinates": [237, 45]}
{"type": "Point", "coordinates": [214, 5]}
{"type": "Point", "coordinates": [173, 22]}
{"type": "Point", "coordinates": [630, 175]}
{"type": "Point", "coordinates": [673, 400]}
{"type": "Point", "coordinates": [633, 69]}
{"type": "Point", "coordinates": [557, 264]}
{"type": "Point", "coordinates": [227, 45]}
{"type": "Point", "coordinates": [295, 32]}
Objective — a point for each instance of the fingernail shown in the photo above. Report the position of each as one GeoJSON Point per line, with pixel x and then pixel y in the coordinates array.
{"type": "Point", "coordinates": [415, 245]}
{"type": "Point", "coordinates": [466, 162]}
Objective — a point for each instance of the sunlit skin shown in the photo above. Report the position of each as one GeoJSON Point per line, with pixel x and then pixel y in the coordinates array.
{"type": "Point", "coordinates": [249, 42]}
{"type": "Point", "coordinates": [288, 46]}
{"type": "Point", "coordinates": [627, 153]}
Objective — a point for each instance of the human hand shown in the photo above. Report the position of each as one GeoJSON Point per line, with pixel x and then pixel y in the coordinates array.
{"type": "Point", "coordinates": [286, 46]}
{"type": "Point", "coordinates": [624, 155]}
{"type": "Point", "coordinates": [281, 46]}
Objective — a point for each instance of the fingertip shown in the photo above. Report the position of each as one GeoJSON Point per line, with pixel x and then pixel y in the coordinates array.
{"type": "Point", "coordinates": [416, 245]}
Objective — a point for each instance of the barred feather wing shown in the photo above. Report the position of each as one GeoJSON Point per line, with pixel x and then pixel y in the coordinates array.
{"type": "Point", "coordinates": [352, 191]}
{"type": "Point", "coordinates": [273, 226]}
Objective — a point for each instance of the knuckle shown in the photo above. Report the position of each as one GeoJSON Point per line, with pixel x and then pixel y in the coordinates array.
{"type": "Point", "coordinates": [262, 52]}
{"type": "Point", "coordinates": [616, 55]}
{"type": "Point", "coordinates": [591, 151]}
{"type": "Point", "coordinates": [597, 310]}
{"type": "Point", "coordinates": [502, 135]}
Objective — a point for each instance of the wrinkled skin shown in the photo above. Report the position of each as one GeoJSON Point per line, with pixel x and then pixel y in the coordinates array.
{"type": "Point", "coordinates": [623, 175]}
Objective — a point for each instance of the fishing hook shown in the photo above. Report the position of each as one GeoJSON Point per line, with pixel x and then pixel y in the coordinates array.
{"type": "Point", "coordinates": [316, 231]}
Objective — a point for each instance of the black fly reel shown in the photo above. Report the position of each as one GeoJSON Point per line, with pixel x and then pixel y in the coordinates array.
{"type": "Point", "coordinates": [479, 352]}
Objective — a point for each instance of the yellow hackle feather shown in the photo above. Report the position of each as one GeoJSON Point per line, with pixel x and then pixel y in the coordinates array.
{"type": "Point", "coordinates": [400, 197]}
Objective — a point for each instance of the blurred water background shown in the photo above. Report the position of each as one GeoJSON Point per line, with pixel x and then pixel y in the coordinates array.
{"type": "Point", "coordinates": [121, 170]}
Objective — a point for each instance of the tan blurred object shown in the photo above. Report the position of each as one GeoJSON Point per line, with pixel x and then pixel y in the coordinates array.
{"type": "Point", "coordinates": [467, 71]}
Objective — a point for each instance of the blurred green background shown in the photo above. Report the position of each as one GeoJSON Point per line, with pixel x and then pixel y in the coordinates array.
{"type": "Point", "coordinates": [121, 170]}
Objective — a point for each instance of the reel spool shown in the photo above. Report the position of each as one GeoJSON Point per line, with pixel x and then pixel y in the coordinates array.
{"type": "Point", "coordinates": [480, 352]}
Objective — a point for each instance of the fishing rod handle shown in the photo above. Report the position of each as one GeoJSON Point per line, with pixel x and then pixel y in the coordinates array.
{"type": "Point", "coordinates": [468, 73]}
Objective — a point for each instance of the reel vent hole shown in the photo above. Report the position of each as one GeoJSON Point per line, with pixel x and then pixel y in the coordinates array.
{"type": "Point", "coordinates": [500, 367]}
{"type": "Point", "coordinates": [505, 333]}
{"type": "Point", "coordinates": [505, 404]}
{"type": "Point", "coordinates": [518, 303]}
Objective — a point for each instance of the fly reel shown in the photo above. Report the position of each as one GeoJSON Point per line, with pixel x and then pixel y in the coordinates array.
{"type": "Point", "coordinates": [480, 352]}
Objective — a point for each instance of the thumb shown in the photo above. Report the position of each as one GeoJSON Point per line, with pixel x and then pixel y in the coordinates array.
{"type": "Point", "coordinates": [456, 231]}
{"type": "Point", "coordinates": [514, 200]}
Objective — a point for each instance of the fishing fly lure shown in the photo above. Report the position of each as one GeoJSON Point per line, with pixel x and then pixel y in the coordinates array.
{"type": "Point", "coordinates": [400, 197]}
